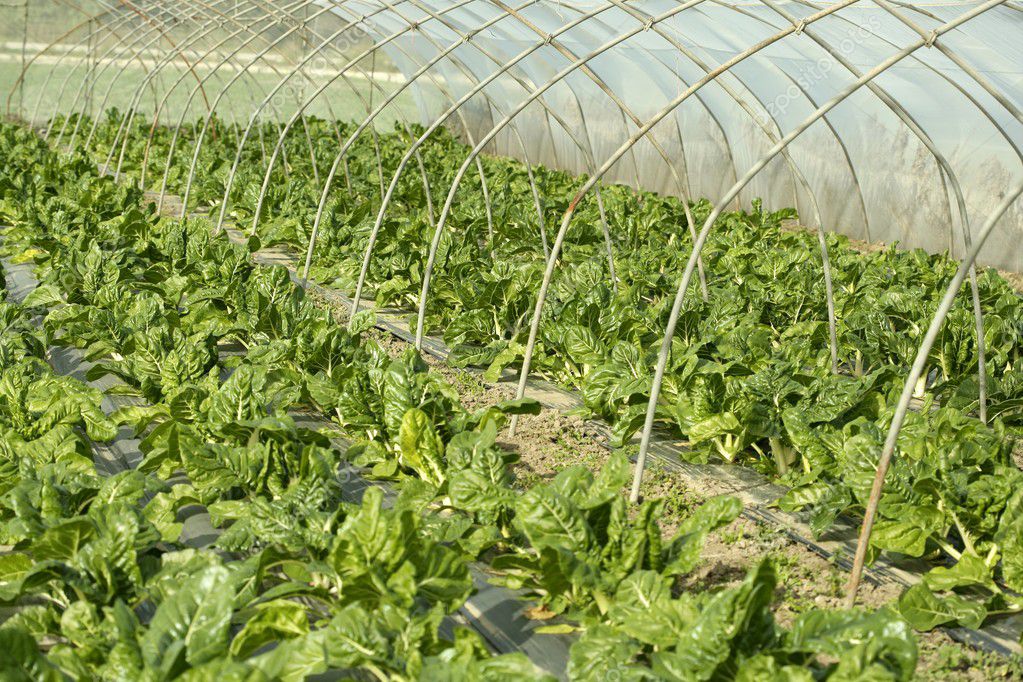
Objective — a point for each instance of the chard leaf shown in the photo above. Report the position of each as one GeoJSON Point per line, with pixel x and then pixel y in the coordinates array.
{"type": "Point", "coordinates": [273, 621]}
{"type": "Point", "coordinates": [421, 446]}
{"type": "Point", "coordinates": [192, 624]}
{"type": "Point", "coordinates": [925, 610]}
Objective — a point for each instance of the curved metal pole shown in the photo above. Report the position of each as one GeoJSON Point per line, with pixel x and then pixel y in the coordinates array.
{"type": "Point", "coordinates": [978, 77]}
{"type": "Point", "coordinates": [433, 127]}
{"type": "Point", "coordinates": [518, 109]}
{"type": "Point", "coordinates": [256, 35]}
{"type": "Point", "coordinates": [456, 109]}
{"type": "Point", "coordinates": [821, 239]}
{"type": "Point", "coordinates": [441, 18]}
{"type": "Point", "coordinates": [212, 23]}
{"type": "Point", "coordinates": [267, 100]}
{"type": "Point", "coordinates": [538, 203]}
{"type": "Point", "coordinates": [628, 114]}
{"type": "Point", "coordinates": [306, 20]}
{"type": "Point", "coordinates": [341, 155]}
{"type": "Point", "coordinates": [902, 407]}
{"type": "Point", "coordinates": [559, 240]}
{"type": "Point", "coordinates": [146, 17]}
{"type": "Point", "coordinates": [771, 136]}
{"type": "Point", "coordinates": [199, 86]}
{"type": "Point", "coordinates": [469, 75]}
{"type": "Point", "coordinates": [756, 168]}
{"type": "Point", "coordinates": [946, 171]}
{"type": "Point", "coordinates": [341, 74]}
{"type": "Point", "coordinates": [535, 192]}
{"type": "Point", "coordinates": [125, 20]}
{"type": "Point", "coordinates": [90, 34]}
{"type": "Point", "coordinates": [590, 157]}
{"type": "Point", "coordinates": [429, 131]}
{"type": "Point", "coordinates": [157, 31]}
{"type": "Point", "coordinates": [161, 30]}
{"type": "Point", "coordinates": [300, 69]}
{"type": "Point", "coordinates": [103, 65]}
{"type": "Point", "coordinates": [286, 15]}
{"type": "Point", "coordinates": [251, 28]}
{"type": "Point", "coordinates": [277, 87]}
{"type": "Point", "coordinates": [686, 190]}
{"type": "Point", "coordinates": [56, 41]}
{"type": "Point", "coordinates": [202, 134]}
{"type": "Point", "coordinates": [184, 75]}
{"type": "Point", "coordinates": [176, 51]}
{"type": "Point", "coordinates": [139, 91]}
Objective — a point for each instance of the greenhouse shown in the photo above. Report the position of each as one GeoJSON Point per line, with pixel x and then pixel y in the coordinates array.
{"type": "Point", "coordinates": [511, 339]}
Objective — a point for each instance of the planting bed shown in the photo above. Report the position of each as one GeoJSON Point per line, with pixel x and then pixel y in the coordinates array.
{"type": "Point", "coordinates": [298, 575]}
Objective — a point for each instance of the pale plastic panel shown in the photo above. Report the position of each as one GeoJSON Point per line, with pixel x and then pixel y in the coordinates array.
{"type": "Point", "coordinates": [869, 173]}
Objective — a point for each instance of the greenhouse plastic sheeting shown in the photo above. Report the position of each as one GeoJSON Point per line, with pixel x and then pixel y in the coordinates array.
{"type": "Point", "coordinates": [869, 174]}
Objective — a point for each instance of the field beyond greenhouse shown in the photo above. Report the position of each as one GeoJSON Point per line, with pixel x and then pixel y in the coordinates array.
{"type": "Point", "coordinates": [210, 470]}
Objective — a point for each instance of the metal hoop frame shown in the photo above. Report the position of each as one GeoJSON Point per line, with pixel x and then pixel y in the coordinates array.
{"type": "Point", "coordinates": [200, 17]}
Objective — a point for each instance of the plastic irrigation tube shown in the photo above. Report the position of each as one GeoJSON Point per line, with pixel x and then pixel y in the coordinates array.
{"type": "Point", "coordinates": [756, 168]}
